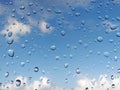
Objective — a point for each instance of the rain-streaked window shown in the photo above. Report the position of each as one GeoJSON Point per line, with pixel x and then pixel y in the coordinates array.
{"type": "Point", "coordinates": [59, 44]}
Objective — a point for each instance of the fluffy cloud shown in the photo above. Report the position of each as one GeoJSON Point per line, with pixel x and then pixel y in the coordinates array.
{"type": "Point", "coordinates": [103, 83]}
{"type": "Point", "coordinates": [41, 84]}
{"type": "Point", "coordinates": [17, 28]}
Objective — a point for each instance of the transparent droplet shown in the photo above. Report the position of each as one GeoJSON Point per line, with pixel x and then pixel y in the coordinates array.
{"type": "Point", "coordinates": [113, 27]}
{"type": "Point", "coordinates": [66, 65]}
{"type": "Point", "coordinates": [106, 54]}
{"type": "Point", "coordinates": [53, 47]}
{"type": "Point", "coordinates": [113, 85]}
{"type": "Point", "coordinates": [11, 53]}
{"type": "Point", "coordinates": [57, 57]}
{"type": "Point", "coordinates": [66, 80]}
{"type": "Point", "coordinates": [118, 70]}
{"type": "Point", "coordinates": [22, 7]}
{"type": "Point", "coordinates": [112, 77]}
{"type": "Point", "coordinates": [36, 69]}
{"type": "Point", "coordinates": [10, 40]}
{"type": "Point", "coordinates": [80, 41]}
{"type": "Point", "coordinates": [63, 33]}
{"type": "Point", "coordinates": [118, 34]}
{"type": "Point", "coordinates": [48, 81]}
{"type": "Point", "coordinates": [57, 11]}
{"type": "Point", "coordinates": [47, 26]}
{"type": "Point", "coordinates": [6, 74]}
{"type": "Point", "coordinates": [99, 39]}
{"type": "Point", "coordinates": [22, 64]}
{"type": "Point", "coordinates": [9, 34]}
{"type": "Point", "coordinates": [18, 82]}
{"type": "Point", "coordinates": [86, 88]}
{"type": "Point", "coordinates": [78, 70]}
{"type": "Point", "coordinates": [23, 45]}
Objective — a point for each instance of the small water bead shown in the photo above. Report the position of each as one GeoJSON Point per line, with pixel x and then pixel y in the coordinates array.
{"type": "Point", "coordinates": [22, 64]}
{"type": "Point", "coordinates": [48, 81]}
{"type": "Point", "coordinates": [47, 26]}
{"type": "Point", "coordinates": [57, 57]}
{"type": "Point", "coordinates": [118, 34]}
{"type": "Point", "coordinates": [66, 65]}
{"type": "Point", "coordinates": [22, 45]}
{"type": "Point", "coordinates": [9, 34]}
{"type": "Point", "coordinates": [18, 82]}
{"type": "Point", "coordinates": [10, 40]}
{"type": "Point", "coordinates": [78, 70]}
{"type": "Point", "coordinates": [36, 69]}
{"type": "Point", "coordinates": [53, 47]}
{"type": "Point", "coordinates": [106, 54]}
{"type": "Point", "coordinates": [63, 33]}
{"type": "Point", "coordinates": [22, 7]}
{"type": "Point", "coordinates": [113, 85]}
{"type": "Point", "coordinates": [11, 52]}
{"type": "Point", "coordinates": [6, 74]}
{"type": "Point", "coordinates": [99, 39]}
{"type": "Point", "coordinates": [66, 80]}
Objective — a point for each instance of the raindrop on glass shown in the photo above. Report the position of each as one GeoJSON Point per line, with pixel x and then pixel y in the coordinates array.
{"type": "Point", "coordinates": [6, 74]}
{"type": "Point", "coordinates": [63, 33]}
{"type": "Point", "coordinates": [9, 34]}
{"type": "Point", "coordinates": [99, 39]}
{"type": "Point", "coordinates": [11, 53]}
{"type": "Point", "coordinates": [36, 69]}
{"type": "Point", "coordinates": [78, 70]}
{"type": "Point", "coordinates": [10, 40]}
{"type": "Point", "coordinates": [53, 47]}
{"type": "Point", "coordinates": [66, 65]}
{"type": "Point", "coordinates": [18, 82]}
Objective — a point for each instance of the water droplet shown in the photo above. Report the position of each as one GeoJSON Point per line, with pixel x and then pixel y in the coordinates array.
{"type": "Point", "coordinates": [57, 57]}
{"type": "Point", "coordinates": [23, 45]}
{"type": "Point", "coordinates": [10, 52]}
{"type": "Point", "coordinates": [18, 82]}
{"type": "Point", "coordinates": [22, 7]}
{"type": "Point", "coordinates": [106, 54]}
{"type": "Point", "coordinates": [118, 34]}
{"type": "Point", "coordinates": [80, 41]}
{"type": "Point", "coordinates": [113, 27]}
{"type": "Point", "coordinates": [10, 40]}
{"type": "Point", "coordinates": [48, 81]}
{"type": "Point", "coordinates": [99, 39]}
{"type": "Point", "coordinates": [53, 47]}
{"type": "Point", "coordinates": [66, 65]}
{"type": "Point", "coordinates": [113, 85]}
{"type": "Point", "coordinates": [57, 11]}
{"type": "Point", "coordinates": [112, 77]}
{"type": "Point", "coordinates": [9, 34]}
{"type": "Point", "coordinates": [78, 70]}
{"type": "Point", "coordinates": [36, 69]}
{"type": "Point", "coordinates": [6, 74]}
{"type": "Point", "coordinates": [47, 26]}
{"type": "Point", "coordinates": [22, 64]}
{"type": "Point", "coordinates": [66, 80]}
{"type": "Point", "coordinates": [63, 33]}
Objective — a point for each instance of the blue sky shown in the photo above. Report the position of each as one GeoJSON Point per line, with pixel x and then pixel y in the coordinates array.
{"type": "Point", "coordinates": [73, 27]}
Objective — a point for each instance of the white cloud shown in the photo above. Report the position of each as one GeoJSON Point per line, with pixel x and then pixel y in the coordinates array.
{"type": "Point", "coordinates": [17, 28]}
{"type": "Point", "coordinates": [103, 83]}
{"type": "Point", "coordinates": [45, 27]}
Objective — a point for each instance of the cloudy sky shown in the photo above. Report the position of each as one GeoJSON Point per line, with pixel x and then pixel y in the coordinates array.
{"type": "Point", "coordinates": [59, 45]}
